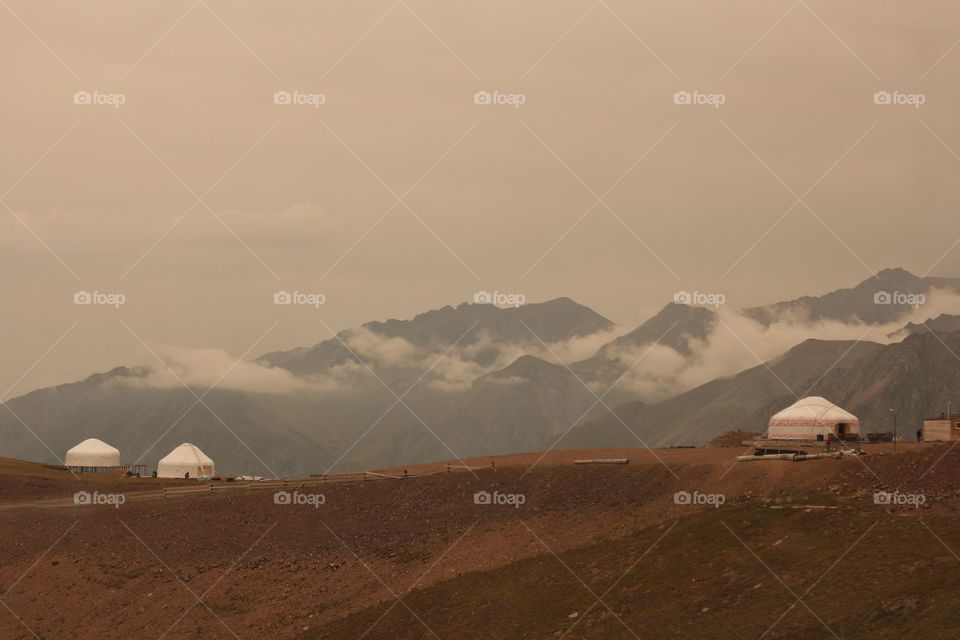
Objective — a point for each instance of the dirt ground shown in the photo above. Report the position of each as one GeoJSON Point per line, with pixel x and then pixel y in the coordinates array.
{"type": "Point", "coordinates": [789, 549]}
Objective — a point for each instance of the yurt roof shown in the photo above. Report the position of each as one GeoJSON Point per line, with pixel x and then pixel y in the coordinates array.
{"type": "Point", "coordinates": [187, 452]}
{"type": "Point", "coordinates": [813, 410]}
{"type": "Point", "coordinates": [93, 445]}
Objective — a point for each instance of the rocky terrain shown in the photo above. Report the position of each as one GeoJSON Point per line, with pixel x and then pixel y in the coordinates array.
{"type": "Point", "coordinates": [790, 550]}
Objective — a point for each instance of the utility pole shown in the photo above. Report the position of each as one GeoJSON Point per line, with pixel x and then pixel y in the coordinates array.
{"type": "Point", "coordinates": [894, 430]}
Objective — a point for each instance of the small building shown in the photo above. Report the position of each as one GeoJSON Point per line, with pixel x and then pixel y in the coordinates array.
{"type": "Point", "coordinates": [92, 455]}
{"type": "Point", "coordinates": [942, 428]}
{"type": "Point", "coordinates": [186, 461]}
{"type": "Point", "coordinates": [813, 418]}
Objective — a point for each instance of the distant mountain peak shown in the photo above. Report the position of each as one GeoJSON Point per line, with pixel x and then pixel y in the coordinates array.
{"type": "Point", "coordinates": [468, 323]}
{"type": "Point", "coordinates": [873, 300]}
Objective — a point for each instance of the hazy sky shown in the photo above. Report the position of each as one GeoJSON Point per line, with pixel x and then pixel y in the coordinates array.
{"type": "Point", "coordinates": [199, 197]}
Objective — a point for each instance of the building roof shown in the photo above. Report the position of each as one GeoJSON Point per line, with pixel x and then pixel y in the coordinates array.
{"type": "Point", "coordinates": [814, 411]}
{"type": "Point", "coordinates": [943, 416]}
{"type": "Point", "coordinates": [92, 453]}
{"type": "Point", "coordinates": [187, 453]}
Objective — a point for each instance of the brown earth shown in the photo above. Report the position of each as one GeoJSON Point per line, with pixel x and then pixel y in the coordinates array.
{"type": "Point", "coordinates": [594, 551]}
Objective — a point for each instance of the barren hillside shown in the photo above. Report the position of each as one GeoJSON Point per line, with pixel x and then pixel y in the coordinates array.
{"type": "Point", "coordinates": [599, 551]}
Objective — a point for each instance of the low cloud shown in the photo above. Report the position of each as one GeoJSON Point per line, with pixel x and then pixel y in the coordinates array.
{"type": "Point", "coordinates": [737, 343]}
{"type": "Point", "coordinates": [205, 368]}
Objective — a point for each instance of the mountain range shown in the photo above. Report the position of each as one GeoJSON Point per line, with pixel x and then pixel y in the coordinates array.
{"type": "Point", "coordinates": [477, 379]}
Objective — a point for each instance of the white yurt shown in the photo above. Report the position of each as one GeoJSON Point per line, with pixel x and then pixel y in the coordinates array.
{"type": "Point", "coordinates": [186, 458]}
{"type": "Point", "coordinates": [92, 453]}
{"type": "Point", "coordinates": [812, 418]}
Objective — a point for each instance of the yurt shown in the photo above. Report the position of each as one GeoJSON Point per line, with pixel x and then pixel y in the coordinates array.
{"type": "Point", "coordinates": [813, 418]}
{"type": "Point", "coordinates": [92, 454]}
{"type": "Point", "coordinates": [185, 459]}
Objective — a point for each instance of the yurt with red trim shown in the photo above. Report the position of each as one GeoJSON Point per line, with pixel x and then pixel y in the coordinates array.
{"type": "Point", "coordinates": [813, 418]}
